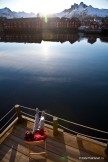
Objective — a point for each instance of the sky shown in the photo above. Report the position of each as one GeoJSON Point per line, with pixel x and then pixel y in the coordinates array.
{"type": "Point", "coordinates": [48, 6]}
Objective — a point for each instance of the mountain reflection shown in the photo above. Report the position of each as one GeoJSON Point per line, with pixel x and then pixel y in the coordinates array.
{"type": "Point", "coordinates": [49, 36]}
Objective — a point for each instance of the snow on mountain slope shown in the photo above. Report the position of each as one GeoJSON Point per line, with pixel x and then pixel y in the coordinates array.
{"type": "Point", "coordinates": [82, 10]}
{"type": "Point", "coordinates": [6, 12]}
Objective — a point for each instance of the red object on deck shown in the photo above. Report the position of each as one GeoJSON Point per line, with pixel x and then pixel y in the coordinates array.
{"type": "Point", "coordinates": [40, 135]}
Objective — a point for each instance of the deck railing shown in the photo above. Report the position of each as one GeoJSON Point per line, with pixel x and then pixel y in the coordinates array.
{"type": "Point", "coordinates": [7, 119]}
{"type": "Point", "coordinates": [20, 111]}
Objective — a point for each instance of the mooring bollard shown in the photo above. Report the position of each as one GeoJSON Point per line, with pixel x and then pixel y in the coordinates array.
{"type": "Point", "coordinates": [55, 126]}
{"type": "Point", "coordinates": [19, 115]}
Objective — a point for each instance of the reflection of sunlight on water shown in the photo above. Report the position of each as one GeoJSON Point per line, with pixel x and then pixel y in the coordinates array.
{"type": "Point", "coordinates": [45, 49]}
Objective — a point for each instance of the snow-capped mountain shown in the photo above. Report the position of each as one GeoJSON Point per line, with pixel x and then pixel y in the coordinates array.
{"type": "Point", "coordinates": [82, 10]}
{"type": "Point", "coordinates": [6, 12]}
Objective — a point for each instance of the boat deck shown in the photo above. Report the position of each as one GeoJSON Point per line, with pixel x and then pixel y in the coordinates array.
{"type": "Point", "coordinates": [62, 148]}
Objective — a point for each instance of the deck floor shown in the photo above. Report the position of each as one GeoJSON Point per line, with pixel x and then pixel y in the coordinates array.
{"type": "Point", "coordinates": [14, 149]}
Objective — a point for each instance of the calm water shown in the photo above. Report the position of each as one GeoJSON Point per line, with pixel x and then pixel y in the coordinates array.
{"type": "Point", "coordinates": [67, 79]}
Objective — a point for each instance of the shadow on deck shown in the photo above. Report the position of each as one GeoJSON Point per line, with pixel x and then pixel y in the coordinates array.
{"type": "Point", "coordinates": [62, 148]}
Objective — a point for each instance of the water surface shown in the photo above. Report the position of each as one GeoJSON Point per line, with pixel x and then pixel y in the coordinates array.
{"type": "Point", "coordinates": [69, 80]}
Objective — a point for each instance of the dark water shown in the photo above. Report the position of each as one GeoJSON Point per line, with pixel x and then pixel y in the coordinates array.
{"type": "Point", "coordinates": [68, 79]}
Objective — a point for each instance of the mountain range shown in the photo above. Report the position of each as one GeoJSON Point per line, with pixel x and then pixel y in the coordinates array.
{"type": "Point", "coordinates": [6, 12]}
{"type": "Point", "coordinates": [80, 11]}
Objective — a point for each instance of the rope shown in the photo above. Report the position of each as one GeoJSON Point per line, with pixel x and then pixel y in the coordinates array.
{"type": "Point", "coordinates": [83, 134]}
{"type": "Point", "coordinates": [94, 129]}
{"type": "Point", "coordinates": [79, 124]}
{"type": "Point", "coordinates": [48, 121]}
{"type": "Point", "coordinates": [33, 117]}
{"type": "Point", "coordinates": [28, 108]}
{"type": "Point", "coordinates": [49, 115]}
{"type": "Point", "coordinates": [6, 114]}
{"type": "Point", "coordinates": [83, 126]}
{"type": "Point", "coordinates": [27, 114]}
{"type": "Point", "coordinates": [58, 124]}
{"type": "Point", "coordinates": [35, 110]}
{"type": "Point", "coordinates": [58, 118]}
{"type": "Point", "coordinates": [8, 121]}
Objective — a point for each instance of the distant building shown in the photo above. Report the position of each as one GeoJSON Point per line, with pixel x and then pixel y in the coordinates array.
{"type": "Point", "coordinates": [105, 23]}
{"type": "Point", "coordinates": [1, 23]}
{"type": "Point", "coordinates": [37, 23]}
{"type": "Point", "coordinates": [22, 23]}
{"type": "Point", "coordinates": [94, 25]}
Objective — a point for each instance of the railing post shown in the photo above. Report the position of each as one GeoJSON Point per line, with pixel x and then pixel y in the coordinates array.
{"type": "Point", "coordinates": [106, 149]}
{"type": "Point", "coordinates": [55, 126]}
{"type": "Point", "coordinates": [17, 107]}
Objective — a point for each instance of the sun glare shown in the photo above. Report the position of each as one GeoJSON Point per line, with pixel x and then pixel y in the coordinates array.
{"type": "Point", "coordinates": [43, 7]}
{"type": "Point", "coordinates": [45, 49]}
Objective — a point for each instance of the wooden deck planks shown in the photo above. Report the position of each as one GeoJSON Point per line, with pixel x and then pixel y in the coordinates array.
{"type": "Point", "coordinates": [57, 144]}
{"type": "Point", "coordinates": [9, 153]}
{"type": "Point", "coordinates": [12, 145]}
{"type": "Point", "coordinates": [61, 148]}
{"type": "Point", "coordinates": [57, 147]}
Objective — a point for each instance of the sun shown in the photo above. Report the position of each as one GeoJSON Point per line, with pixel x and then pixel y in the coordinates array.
{"type": "Point", "coordinates": [46, 7]}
